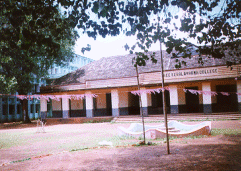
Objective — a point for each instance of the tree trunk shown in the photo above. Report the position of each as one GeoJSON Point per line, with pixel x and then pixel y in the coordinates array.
{"type": "Point", "coordinates": [24, 104]}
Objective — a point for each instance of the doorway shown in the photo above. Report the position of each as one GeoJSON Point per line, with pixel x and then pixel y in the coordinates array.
{"type": "Point", "coordinates": [227, 103]}
{"type": "Point", "coordinates": [192, 101]}
{"type": "Point", "coordinates": [134, 104]}
{"type": "Point", "coordinates": [108, 104]}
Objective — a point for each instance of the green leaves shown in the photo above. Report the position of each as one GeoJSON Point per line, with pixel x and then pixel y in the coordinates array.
{"type": "Point", "coordinates": [88, 48]}
{"type": "Point", "coordinates": [34, 36]}
{"type": "Point", "coordinates": [37, 29]}
{"type": "Point", "coordinates": [7, 84]}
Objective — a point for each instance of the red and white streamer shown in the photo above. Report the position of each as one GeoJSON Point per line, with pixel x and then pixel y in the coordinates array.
{"type": "Point", "coordinates": [56, 97]}
{"type": "Point", "coordinates": [136, 92]}
{"type": "Point", "coordinates": [225, 93]}
{"type": "Point", "coordinates": [149, 91]}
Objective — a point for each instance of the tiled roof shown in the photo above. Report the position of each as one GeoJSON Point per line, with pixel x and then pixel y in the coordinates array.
{"type": "Point", "coordinates": [121, 66]}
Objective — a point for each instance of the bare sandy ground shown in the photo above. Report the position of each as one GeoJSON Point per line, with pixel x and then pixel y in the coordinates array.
{"type": "Point", "coordinates": [222, 152]}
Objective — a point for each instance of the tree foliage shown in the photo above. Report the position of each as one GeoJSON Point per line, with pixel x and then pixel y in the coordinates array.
{"type": "Point", "coordinates": [214, 25]}
{"type": "Point", "coordinates": [34, 35]}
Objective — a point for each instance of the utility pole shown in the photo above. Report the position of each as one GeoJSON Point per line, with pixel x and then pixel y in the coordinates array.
{"type": "Point", "coordinates": [163, 93]}
{"type": "Point", "coordinates": [141, 110]}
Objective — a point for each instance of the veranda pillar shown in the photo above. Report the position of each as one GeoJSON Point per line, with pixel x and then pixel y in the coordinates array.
{"type": "Point", "coordinates": [173, 99]}
{"type": "Point", "coordinates": [89, 105]}
{"type": "Point", "coordinates": [239, 96]}
{"type": "Point", "coordinates": [207, 99]}
{"type": "Point", "coordinates": [144, 101]}
{"type": "Point", "coordinates": [115, 103]}
{"type": "Point", "coordinates": [43, 108]}
{"type": "Point", "coordinates": [1, 110]}
{"type": "Point", "coordinates": [65, 107]}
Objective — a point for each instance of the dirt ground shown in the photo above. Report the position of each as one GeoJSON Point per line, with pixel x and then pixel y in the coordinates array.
{"type": "Point", "coordinates": [222, 152]}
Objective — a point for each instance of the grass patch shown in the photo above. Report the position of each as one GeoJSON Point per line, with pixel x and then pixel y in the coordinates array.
{"type": "Point", "coordinates": [206, 119]}
{"type": "Point", "coordinates": [79, 149]}
{"type": "Point", "coordinates": [225, 131]}
{"type": "Point", "coordinates": [77, 137]}
{"type": "Point", "coordinates": [17, 161]}
{"type": "Point", "coordinates": [99, 121]}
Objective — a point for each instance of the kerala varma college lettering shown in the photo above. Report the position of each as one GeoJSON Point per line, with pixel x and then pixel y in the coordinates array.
{"type": "Point", "coordinates": [191, 73]}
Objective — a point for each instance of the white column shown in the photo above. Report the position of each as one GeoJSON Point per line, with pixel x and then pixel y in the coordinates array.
{"type": "Point", "coordinates": [43, 108]}
{"type": "Point", "coordinates": [89, 105]}
{"type": "Point", "coordinates": [65, 107]}
{"type": "Point", "coordinates": [115, 103]}
{"type": "Point", "coordinates": [207, 98]}
{"type": "Point", "coordinates": [1, 111]}
{"type": "Point", "coordinates": [239, 96]}
{"type": "Point", "coordinates": [173, 99]}
{"type": "Point", "coordinates": [144, 102]}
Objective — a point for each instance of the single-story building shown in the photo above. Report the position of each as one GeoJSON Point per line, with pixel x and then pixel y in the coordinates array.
{"type": "Point", "coordinates": [108, 87]}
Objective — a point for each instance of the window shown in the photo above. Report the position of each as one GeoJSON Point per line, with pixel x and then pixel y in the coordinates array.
{"type": "Point", "coordinates": [32, 108]}
{"type": "Point", "coordinates": [37, 109]}
{"type": "Point", "coordinates": [19, 109]}
{"type": "Point", "coordinates": [11, 109]}
{"type": "Point", "coordinates": [5, 109]}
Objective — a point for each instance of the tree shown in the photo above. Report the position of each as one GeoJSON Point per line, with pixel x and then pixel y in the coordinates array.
{"type": "Point", "coordinates": [34, 36]}
{"type": "Point", "coordinates": [35, 33]}
{"type": "Point", "coordinates": [215, 24]}
{"type": "Point", "coordinates": [216, 33]}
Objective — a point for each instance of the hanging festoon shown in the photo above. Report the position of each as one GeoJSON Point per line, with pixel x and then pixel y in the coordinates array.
{"type": "Point", "coordinates": [149, 91]}
{"type": "Point", "coordinates": [225, 93]}
{"type": "Point", "coordinates": [135, 92]}
{"type": "Point", "coordinates": [55, 97]}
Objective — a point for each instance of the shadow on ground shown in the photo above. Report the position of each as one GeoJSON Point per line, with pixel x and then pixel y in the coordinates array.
{"type": "Point", "coordinates": [221, 152]}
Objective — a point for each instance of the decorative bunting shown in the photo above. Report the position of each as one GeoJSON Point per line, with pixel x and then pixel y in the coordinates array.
{"type": "Point", "coordinates": [55, 97]}
{"type": "Point", "coordinates": [149, 91]}
{"type": "Point", "coordinates": [193, 91]}
{"type": "Point", "coordinates": [225, 93]}
{"type": "Point", "coordinates": [136, 92]}
{"type": "Point", "coordinates": [196, 92]}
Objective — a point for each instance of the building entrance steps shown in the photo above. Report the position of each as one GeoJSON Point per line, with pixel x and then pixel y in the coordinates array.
{"type": "Point", "coordinates": [187, 117]}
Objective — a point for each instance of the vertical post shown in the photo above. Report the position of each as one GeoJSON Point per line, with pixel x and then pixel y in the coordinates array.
{"type": "Point", "coordinates": [141, 110]}
{"type": "Point", "coordinates": [43, 108]}
{"type": "Point", "coordinates": [89, 105]}
{"type": "Point", "coordinates": [115, 103]}
{"type": "Point", "coordinates": [65, 108]}
{"type": "Point", "coordinates": [1, 110]}
{"type": "Point", "coordinates": [239, 96]}
{"type": "Point", "coordinates": [7, 114]}
{"type": "Point", "coordinates": [174, 97]}
{"type": "Point", "coordinates": [144, 103]}
{"type": "Point", "coordinates": [163, 99]}
{"type": "Point", "coordinates": [15, 108]}
{"type": "Point", "coordinates": [207, 99]}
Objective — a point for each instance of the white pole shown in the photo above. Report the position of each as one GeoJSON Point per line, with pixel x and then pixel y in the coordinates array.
{"type": "Point", "coordinates": [143, 123]}
{"type": "Point", "coordinates": [163, 99]}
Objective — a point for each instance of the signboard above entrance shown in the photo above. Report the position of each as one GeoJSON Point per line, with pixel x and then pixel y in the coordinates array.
{"type": "Point", "coordinates": [193, 74]}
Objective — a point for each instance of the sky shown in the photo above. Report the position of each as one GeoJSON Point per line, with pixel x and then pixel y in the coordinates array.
{"type": "Point", "coordinates": [113, 46]}
{"type": "Point", "coordinates": [109, 46]}
{"type": "Point", "coordinates": [102, 47]}
{"type": "Point", "coordinates": [106, 47]}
